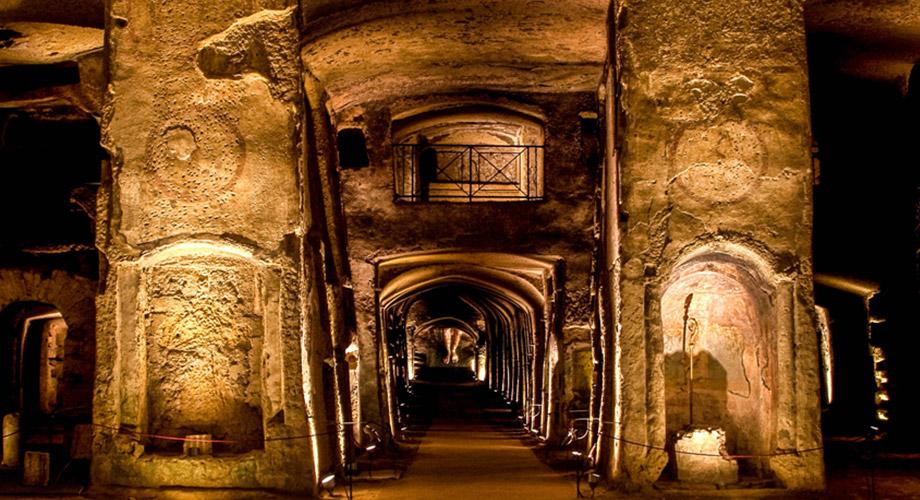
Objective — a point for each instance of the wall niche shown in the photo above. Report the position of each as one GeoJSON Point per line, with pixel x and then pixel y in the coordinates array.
{"type": "Point", "coordinates": [199, 335]}
{"type": "Point", "coordinates": [717, 308]}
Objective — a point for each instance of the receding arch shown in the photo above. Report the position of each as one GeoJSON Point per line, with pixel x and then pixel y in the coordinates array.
{"type": "Point", "coordinates": [505, 302]}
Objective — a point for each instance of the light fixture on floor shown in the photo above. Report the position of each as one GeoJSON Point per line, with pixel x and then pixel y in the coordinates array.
{"type": "Point", "coordinates": [583, 460]}
{"type": "Point", "coordinates": [328, 483]}
{"type": "Point", "coordinates": [593, 480]}
{"type": "Point", "coordinates": [373, 440]}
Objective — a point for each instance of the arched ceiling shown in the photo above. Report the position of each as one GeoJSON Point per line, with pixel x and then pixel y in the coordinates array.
{"type": "Point", "coordinates": [516, 291]}
{"type": "Point", "coordinates": [76, 12]}
{"type": "Point", "coordinates": [365, 51]}
{"type": "Point", "coordinates": [877, 39]}
{"type": "Point", "coordinates": [463, 305]}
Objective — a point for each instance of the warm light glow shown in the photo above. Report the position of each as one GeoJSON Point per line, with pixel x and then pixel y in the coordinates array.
{"type": "Point", "coordinates": [54, 333]}
{"type": "Point", "coordinates": [481, 365]}
{"type": "Point", "coordinates": [198, 247]}
{"type": "Point", "coordinates": [827, 355]}
{"type": "Point", "coordinates": [701, 457]}
{"type": "Point", "coordinates": [308, 402]}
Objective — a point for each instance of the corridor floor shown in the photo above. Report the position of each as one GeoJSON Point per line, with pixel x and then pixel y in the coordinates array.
{"type": "Point", "coordinates": [471, 452]}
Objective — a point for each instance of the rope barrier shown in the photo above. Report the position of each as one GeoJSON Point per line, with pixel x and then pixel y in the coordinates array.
{"type": "Point", "coordinates": [164, 437]}
{"type": "Point", "coordinates": [701, 454]}
{"type": "Point", "coordinates": [720, 455]}
{"type": "Point", "coordinates": [340, 429]}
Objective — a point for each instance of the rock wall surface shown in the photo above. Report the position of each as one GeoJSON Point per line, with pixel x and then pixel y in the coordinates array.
{"type": "Point", "coordinates": [205, 294]}
{"type": "Point", "coordinates": [713, 134]}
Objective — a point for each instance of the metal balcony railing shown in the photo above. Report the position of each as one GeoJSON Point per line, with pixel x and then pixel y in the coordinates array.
{"type": "Point", "coordinates": [467, 172]}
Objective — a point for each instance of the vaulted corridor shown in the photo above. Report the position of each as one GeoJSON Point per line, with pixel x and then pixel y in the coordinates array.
{"type": "Point", "coordinates": [258, 248]}
{"type": "Point", "coordinates": [470, 445]}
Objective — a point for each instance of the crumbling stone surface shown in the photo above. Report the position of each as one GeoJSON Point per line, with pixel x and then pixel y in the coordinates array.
{"type": "Point", "coordinates": [264, 43]}
{"type": "Point", "coordinates": [206, 150]}
{"type": "Point", "coordinates": [206, 288]}
{"type": "Point", "coordinates": [204, 336]}
{"type": "Point", "coordinates": [384, 50]}
{"type": "Point", "coordinates": [713, 129]}
{"type": "Point", "coordinates": [699, 457]}
{"type": "Point", "coordinates": [46, 43]}
{"type": "Point", "coordinates": [25, 46]}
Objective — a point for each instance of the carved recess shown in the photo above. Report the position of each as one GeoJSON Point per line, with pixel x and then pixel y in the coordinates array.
{"type": "Point", "coordinates": [196, 157]}
{"type": "Point", "coordinates": [718, 163]}
{"type": "Point", "coordinates": [199, 342]}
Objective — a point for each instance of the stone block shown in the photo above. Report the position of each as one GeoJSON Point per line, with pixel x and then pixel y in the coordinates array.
{"type": "Point", "coordinates": [11, 437]}
{"type": "Point", "coordinates": [197, 444]}
{"type": "Point", "coordinates": [36, 470]}
{"type": "Point", "coordinates": [701, 457]}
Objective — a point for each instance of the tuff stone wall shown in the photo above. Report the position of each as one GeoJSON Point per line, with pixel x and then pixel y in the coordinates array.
{"type": "Point", "coordinates": [205, 293]}
{"type": "Point", "coordinates": [711, 110]}
{"type": "Point", "coordinates": [74, 297]}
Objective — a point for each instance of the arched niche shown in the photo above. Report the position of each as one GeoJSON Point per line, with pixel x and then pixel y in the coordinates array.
{"type": "Point", "coordinates": [60, 295]}
{"type": "Point", "coordinates": [34, 336]}
{"type": "Point", "coordinates": [199, 346]}
{"type": "Point", "coordinates": [717, 305]}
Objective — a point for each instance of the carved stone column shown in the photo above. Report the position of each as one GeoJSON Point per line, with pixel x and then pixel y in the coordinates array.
{"type": "Point", "coordinates": [712, 117]}
{"type": "Point", "coordinates": [202, 314]}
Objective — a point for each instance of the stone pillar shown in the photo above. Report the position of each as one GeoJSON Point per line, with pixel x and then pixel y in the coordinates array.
{"type": "Point", "coordinates": [713, 136]}
{"type": "Point", "coordinates": [11, 440]}
{"type": "Point", "coordinates": [203, 318]}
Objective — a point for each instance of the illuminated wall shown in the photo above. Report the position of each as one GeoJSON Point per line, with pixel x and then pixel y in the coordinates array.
{"type": "Point", "coordinates": [209, 314]}
{"type": "Point", "coordinates": [721, 313]}
{"type": "Point", "coordinates": [709, 164]}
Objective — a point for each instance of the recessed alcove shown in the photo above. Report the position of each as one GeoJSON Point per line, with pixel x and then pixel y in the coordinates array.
{"type": "Point", "coordinates": [201, 341]}
{"type": "Point", "coordinates": [717, 308]}
{"type": "Point", "coordinates": [203, 357]}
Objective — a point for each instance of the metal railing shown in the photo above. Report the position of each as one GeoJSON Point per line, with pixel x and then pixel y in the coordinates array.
{"type": "Point", "coordinates": [467, 172]}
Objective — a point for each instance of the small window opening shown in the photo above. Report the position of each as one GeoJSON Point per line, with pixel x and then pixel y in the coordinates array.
{"type": "Point", "coordinates": [352, 148]}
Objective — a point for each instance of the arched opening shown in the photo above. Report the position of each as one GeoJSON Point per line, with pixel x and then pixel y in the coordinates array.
{"type": "Point", "coordinates": [41, 404]}
{"type": "Point", "coordinates": [34, 336]}
{"type": "Point", "coordinates": [443, 345]}
{"type": "Point", "coordinates": [442, 328]}
{"type": "Point", "coordinates": [720, 359]}
{"type": "Point", "coordinates": [470, 319]}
